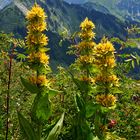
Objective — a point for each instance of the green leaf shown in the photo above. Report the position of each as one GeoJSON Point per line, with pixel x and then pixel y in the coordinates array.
{"type": "Point", "coordinates": [53, 92]}
{"type": "Point", "coordinates": [81, 129]}
{"type": "Point", "coordinates": [115, 90]}
{"type": "Point", "coordinates": [29, 86]}
{"type": "Point", "coordinates": [133, 56]}
{"type": "Point", "coordinates": [128, 60]}
{"type": "Point", "coordinates": [53, 135]}
{"type": "Point", "coordinates": [91, 109]}
{"type": "Point", "coordinates": [27, 129]}
{"type": "Point", "coordinates": [97, 122]}
{"type": "Point", "coordinates": [80, 105]}
{"type": "Point", "coordinates": [80, 84]}
{"type": "Point", "coordinates": [137, 59]}
{"type": "Point", "coordinates": [21, 56]}
{"type": "Point", "coordinates": [90, 136]}
{"type": "Point", "coordinates": [60, 43]}
{"type": "Point", "coordinates": [86, 131]}
{"type": "Point", "coordinates": [133, 64]}
{"type": "Point", "coordinates": [41, 107]}
{"type": "Point", "coordinates": [0, 124]}
{"type": "Point", "coordinates": [96, 138]}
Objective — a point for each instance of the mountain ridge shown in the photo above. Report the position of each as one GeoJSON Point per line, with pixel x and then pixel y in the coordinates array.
{"type": "Point", "coordinates": [123, 9]}
{"type": "Point", "coordinates": [128, 10]}
{"type": "Point", "coordinates": [61, 15]}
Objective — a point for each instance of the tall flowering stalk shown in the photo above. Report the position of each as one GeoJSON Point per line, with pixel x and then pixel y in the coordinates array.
{"type": "Point", "coordinates": [36, 41]}
{"type": "Point", "coordinates": [106, 80]}
{"type": "Point", "coordinates": [38, 83]}
{"type": "Point", "coordinates": [83, 79]}
{"type": "Point", "coordinates": [91, 58]}
{"type": "Point", "coordinates": [84, 51]}
{"type": "Point", "coordinates": [38, 61]}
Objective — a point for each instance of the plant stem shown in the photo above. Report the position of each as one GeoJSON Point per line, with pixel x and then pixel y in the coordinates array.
{"type": "Point", "coordinates": [8, 92]}
{"type": "Point", "coordinates": [39, 130]}
{"type": "Point", "coordinates": [39, 126]}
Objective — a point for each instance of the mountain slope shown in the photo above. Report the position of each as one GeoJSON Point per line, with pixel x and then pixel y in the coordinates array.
{"type": "Point", "coordinates": [124, 9]}
{"type": "Point", "coordinates": [61, 15]}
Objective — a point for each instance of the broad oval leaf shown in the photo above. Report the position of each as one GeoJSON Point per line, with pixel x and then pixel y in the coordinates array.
{"type": "Point", "coordinates": [29, 86]}
{"type": "Point", "coordinates": [41, 107]}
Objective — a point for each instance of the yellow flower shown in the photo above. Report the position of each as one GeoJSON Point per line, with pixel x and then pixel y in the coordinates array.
{"type": "Point", "coordinates": [87, 35]}
{"type": "Point", "coordinates": [104, 48]}
{"type": "Point", "coordinates": [108, 100]}
{"type": "Point", "coordinates": [86, 59]}
{"type": "Point", "coordinates": [102, 62]}
{"type": "Point", "coordinates": [43, 58]}
{"type": "Point", "coordinates": [36, 12]}
{"type": "Point", "coordinates": [33, 39]}
{"type": "Point", "coordinates": [43, 40]}
{"type": "Point", "coordinates": [88, 80]}
{"type": "Point", "coordinates": [110, 62]}
{"type": "Point", "coordinates": [101, 78]}
{"type": "Point", "coordinates": [33, 79]}
{"type": "Point", "coordinates": [87, 25]}
{"type": "Point", "coordinates": [37, 26]}
{"type": "Point", "coordinates": [41, 80]}
{"type": "Point", "coordinates": [86, 30]}
{"type": "Point", "coordinates": [86, 45]}
{"type": "Point", "coordinates": [112, 79]}
{"type": "Point", "coordinates": [3, 54]}
{"type": "Point", "coordinates": [36, 42]}
{"type": "Point", "coordinates": [40, 57]}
